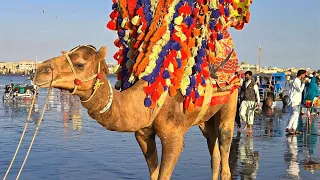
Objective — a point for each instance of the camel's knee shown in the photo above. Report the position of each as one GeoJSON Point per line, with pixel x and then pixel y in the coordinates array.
{"type": "Point", "coordinates": [225, 137]}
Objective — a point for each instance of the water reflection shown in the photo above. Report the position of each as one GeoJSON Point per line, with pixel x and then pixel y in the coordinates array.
{"type": "Point", "coordinates": [291, 157]}
{"type": "Point", "coordinates": [243, 160]}
{"type": "Point", "coordinates": [70, 107]}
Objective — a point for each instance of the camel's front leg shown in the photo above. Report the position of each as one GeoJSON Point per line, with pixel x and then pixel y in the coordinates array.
{"type": "Point", "coordinates": [147, 142]}
{"type": "Point", "coordinates": [172, 144]}
{"type": "Point", "coordinates": [211, 134]}
{"type": "Point", "coordinates": [225, 126]}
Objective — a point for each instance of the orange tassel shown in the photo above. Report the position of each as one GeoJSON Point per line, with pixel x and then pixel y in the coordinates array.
{"type": "Point", "coordinates": [172, 91]}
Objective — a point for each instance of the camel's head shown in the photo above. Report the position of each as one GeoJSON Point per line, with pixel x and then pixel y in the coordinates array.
{"type": "Point", "coordinates": [78, 68]}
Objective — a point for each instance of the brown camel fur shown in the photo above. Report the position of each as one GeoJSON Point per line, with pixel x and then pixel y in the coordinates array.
{"type": "Point", "coordinates": [128, 113]}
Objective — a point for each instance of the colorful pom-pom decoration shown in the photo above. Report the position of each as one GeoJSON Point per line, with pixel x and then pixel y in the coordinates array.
{"type": "Point", "coordinates": [174, 44]}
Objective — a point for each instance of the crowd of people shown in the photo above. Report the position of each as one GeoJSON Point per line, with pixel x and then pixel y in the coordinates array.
{"type": "Point", "coordinates": [304, 88]}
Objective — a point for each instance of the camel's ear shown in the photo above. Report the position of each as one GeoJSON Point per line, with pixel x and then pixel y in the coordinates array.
{"type": "Point", "coordinates": [102, 53]}
{"type": "Point", "coordinates": [63, 52]}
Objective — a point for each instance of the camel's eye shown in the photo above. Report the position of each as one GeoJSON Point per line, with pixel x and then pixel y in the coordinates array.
{"type": "Point", "coordinates": [79, 66]}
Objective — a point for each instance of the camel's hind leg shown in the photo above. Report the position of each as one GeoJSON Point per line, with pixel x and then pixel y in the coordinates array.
{"type": "Point", "coordinates": [147, 142]}
{"type": "Point", "coordinates": [224, 121]}
{"type": "Point", "coordinates": [211, 134]}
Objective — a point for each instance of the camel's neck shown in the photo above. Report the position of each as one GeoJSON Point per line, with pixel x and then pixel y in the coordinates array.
{"type": "Point", "coordinates": [120, 116]}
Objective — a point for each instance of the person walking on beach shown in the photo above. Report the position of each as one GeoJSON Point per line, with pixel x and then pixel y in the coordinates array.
{"type": "Point", "coordinates": [295, 101]}
{"type": "Point", "coordinates": [250, 99]}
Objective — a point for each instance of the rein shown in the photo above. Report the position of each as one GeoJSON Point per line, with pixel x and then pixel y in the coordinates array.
{"type": "Point", "coordinates": [98, 76]}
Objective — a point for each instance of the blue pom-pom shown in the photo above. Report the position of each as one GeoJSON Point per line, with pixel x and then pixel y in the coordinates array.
{"type": "Point", "coordinates": [226, 12]}
{"type": "Point", "coordinates": [171, 27]}
{"type": "Point", "coordinates": [147, 78]}
{"type": "Point", "coordinates": [203, 81]}
{"type": "Point", "coordinates": [179, 62]}
{"type": "Point", "coordinates": [221, 1]}
{"type": "Point", "coordinates": [165, 88]}
{"type": "Point", "coordinates": [202, 52]}
{"type": "Point", "coordinates": [188, 21]}
{"type": "Point", "coordinates": [152, 80]}
{"type": "Point", "coordinates": [176, 46]}
{"type": "Point", "coordinates": [216, 13]}
{"type": "Point", "coordinates": [198, 68]}
{"type": "Point", "coordinates": [126, 85]}
{"type": "Point", "coordinates": [219, 36]}
{"type": "Point", "coordinates": [166, 74]}
{"type": "Point", "coordinates": [147, 102]}
{"type": "Point", "coordinates": [114, 6]}
{"type": "Point", "coordinates": [192, 81]}
{"type": "Point", "coordinates": [162, 54]}
{"type": "Point", "coordinates": [188, 91]}
{"type": "Point", "coordinates": [121, 33]}
{"type": "Point", "coordinates": [212, 24]}
{"type": "Point", "coordinates": [204, 44]}
{"type": "Point", "coordinates": [197, 94]}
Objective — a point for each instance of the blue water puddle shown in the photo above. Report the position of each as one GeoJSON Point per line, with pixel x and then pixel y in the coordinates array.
{"type": "Point", "coordinates": [70, 145]}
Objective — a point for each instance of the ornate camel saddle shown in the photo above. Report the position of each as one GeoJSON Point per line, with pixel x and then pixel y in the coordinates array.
{"type": "Point", "coordinates": [178, 46]}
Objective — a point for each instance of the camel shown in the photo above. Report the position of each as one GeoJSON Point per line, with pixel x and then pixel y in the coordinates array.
{"type": "Point", "coordinates": [83, 71]}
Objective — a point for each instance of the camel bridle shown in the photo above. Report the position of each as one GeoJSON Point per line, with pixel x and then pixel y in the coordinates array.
{"type": "Point", "coordinates": [98, 76]}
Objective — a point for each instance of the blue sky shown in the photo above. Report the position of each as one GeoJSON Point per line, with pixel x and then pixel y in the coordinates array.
{"type": "Point", "coordinates": [287, 30]}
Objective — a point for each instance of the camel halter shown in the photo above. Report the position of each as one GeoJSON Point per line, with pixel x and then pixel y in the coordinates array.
{"type": "Point", "coordinates": [98, 76]}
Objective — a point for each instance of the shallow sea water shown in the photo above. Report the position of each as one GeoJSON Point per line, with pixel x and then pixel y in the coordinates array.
{"type": "Point", "coordinates": [70, 145]}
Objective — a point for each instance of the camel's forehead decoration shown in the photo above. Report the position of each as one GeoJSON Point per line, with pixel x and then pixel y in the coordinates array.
{"type": "Point", "coordinates": [174, 44]}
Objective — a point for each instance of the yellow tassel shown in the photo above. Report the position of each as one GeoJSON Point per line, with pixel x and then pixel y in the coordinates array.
{"type": "Point", "coordinates": [132, 78]}
{"type": "Point", "coordinates": [123, 23]}
{"type": "Point", "coordinates": [127, 35]}
{"type": "Point", "coordinates": [139, 29]}
{"type": "Point", "coordinates": [171, 68]}
{"type": "Point", "coordinates": [213, 4]}
{"type": "Point", "coordinates": [168, 82]}
{"type": "Point", "coordinates": [135, 20]}
{"type": "Point", "coordinates": [178, 20]}
{"type": "Point", "coordinates": [117, 69]}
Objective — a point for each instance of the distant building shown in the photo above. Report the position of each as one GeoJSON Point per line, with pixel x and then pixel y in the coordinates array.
{"type": "Point", "coordinates": [248, 67]}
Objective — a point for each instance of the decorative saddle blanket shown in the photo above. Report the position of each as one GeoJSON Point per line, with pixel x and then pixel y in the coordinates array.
{"type": "Point", "coordinates": [175, 45]}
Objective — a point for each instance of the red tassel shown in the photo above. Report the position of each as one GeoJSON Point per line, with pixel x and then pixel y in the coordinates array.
{"type": "Point", "coordinates": [99, 76]}
{"type": "Point", "coordinates": [112, 25]}
{"type": "Point", "coordinates": [77, 82]}
{"type": "Point", "coordinates": [221, 9]}
{"type": "Point", "coordinates": [155, 96]}
{"type": "Point", "coordinates": [148, 90]}
{"type": "Point", "coordinates": [114, 14]}
{"type": "Point", "coordinates": [131, 6]}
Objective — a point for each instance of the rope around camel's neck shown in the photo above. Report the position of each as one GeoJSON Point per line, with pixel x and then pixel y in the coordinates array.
{"type": "Point", "coordinates": [99, 100]}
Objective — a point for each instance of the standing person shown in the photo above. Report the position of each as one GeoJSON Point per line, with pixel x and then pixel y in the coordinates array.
{"type": "Point", "coordinates": [250, 100]}
{"type": "Point", "coordinates": [312, 89]}
{"type": "Point", "coordinates": [295, 100]}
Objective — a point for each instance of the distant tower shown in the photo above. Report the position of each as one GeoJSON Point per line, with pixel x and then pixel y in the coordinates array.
{"type": "Point", "coordinates": [259, 68]}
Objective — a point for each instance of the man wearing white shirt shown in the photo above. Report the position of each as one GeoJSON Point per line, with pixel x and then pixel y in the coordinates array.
{"type": "Point", "coordinates": [250, 99]}
{"type": "Point", "coordinates": [295, 100]}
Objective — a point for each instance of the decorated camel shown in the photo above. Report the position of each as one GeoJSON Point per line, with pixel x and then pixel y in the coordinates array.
{"type": "Point", "coordinates": [176, 64]}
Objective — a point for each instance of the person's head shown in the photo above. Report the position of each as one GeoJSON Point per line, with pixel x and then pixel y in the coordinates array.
{"type": "Point", "coordinates": [301, 74]}
{"type": "Point", "coordinates": [236, 74]}
{"type": "Point", "coordinates": [248, 75]}
{"type": "Point", "coordinates": [314, 74]}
